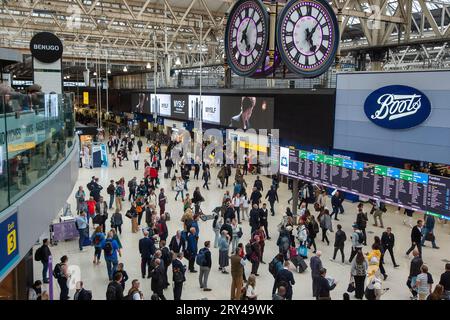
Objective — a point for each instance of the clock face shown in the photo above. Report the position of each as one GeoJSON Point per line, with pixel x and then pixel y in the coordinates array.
{"type": "Point", "coordinates": [308, 36]}
{"type": "Point", "coordinates": [246, 36]}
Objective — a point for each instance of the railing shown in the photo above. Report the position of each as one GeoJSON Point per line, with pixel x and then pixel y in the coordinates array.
{"type": "Point", "coordinates": [37, 133]}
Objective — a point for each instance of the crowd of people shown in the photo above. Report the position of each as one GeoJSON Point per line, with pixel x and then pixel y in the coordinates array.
{"type": "Point", "coordinates": [181, 251]}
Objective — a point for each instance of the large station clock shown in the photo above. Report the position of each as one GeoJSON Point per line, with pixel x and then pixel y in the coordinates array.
{"type": "Point", "coordinates": [246, 36]}
{"type": "Point", "coordinates": [308, 36]}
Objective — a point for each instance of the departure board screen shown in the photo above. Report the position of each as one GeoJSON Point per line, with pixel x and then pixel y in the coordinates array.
{"type": "Point", "coordinates": [405, 188]}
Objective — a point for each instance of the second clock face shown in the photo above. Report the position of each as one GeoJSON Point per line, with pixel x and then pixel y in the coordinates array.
{"type": "Point", "coordinates": [307, 33]}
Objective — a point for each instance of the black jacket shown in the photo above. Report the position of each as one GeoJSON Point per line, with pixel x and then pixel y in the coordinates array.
{"type": "Point", "coordinates": [176, 264]}
{"type": "Point", "coordinates": [175, 247]}
{"type": "Point", "coordinates": [147, 248]}
{"type": "Point", "coordinates": [416, 234]}
{"type": "Point", "coordinates": [258, 185]}
{"type": "Point", "coordinates": [387, 240]}
{"type": "Point", "coordinates": [272, 195]}
{"type": "Point", "coordinates": [45, 253]}
{"type": "Point", "coordinates": [324, 288]}
{"type": "Point", "coordinates": [208, 260]}
{"type": "Point", "coordinates": [340, 239]}
{"type": "Point", "coordinates": [228, 228]}
{"type": "Point", "coordinates": [287, 277]}
{"type": "Point", "coordinates": [254, 218]}
{"type": "Point", "coordinates": [117, 289]}
{"type": "Point", "coordinates": [263, 213]}
{"type": "Point", "coordinates": [255, 197]}
{"type": "Point", "coordinates": [361, 220]}
{"type": "Point", "coordinates": [158, 279]}
{"type": "Point", "coordinates": [414, 267]}
{"type": "Point", "coordinates": [83, 295]}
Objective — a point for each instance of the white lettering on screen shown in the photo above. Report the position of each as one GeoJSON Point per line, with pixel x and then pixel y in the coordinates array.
{"type": "Point", "coordinates": [46, 47]}
{"type": "Point", "coordinates": [397, 106]}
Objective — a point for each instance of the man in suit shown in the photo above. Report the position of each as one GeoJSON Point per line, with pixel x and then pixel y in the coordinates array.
{"type": "Point", "coordinates": [258, 184]}
{"type": "Point", "coordinates": [272, 195]}
{"type": "Point", "coordinates": [237, 273]}
{"type": "Point", "coordinates": [416, 238]}
{"type": "Point", "coordinates": [263, 214]}
{"type": "Point", "coordinates": [82, 294]}
{"type": "Point", "coordinates": [323, 286]}
{"type": "Point", "coordinates": [255, 197]}
{"type": "Point", "coordinates": [158, 279]}
{"type": "Point", "coordinates": [178, 268]}
{"type": "Point", "coordinates": [254, 218]}
{"type": "Point", "coordinates": [177, 243]}
{"type": "Point", "coordinates": [284, 278]}
{"type": "Point", "coordinates": [316, 266]}
{"type": "Point", "coordinates": [387, 242]}
{"type": "Point", "coordinates": [147, 250]}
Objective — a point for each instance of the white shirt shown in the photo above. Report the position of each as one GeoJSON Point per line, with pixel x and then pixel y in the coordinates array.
{"type": "Point", "coordinates": [137, 296]}
{"type": "Point", "coordinates": [250, 291]}
{"type": "Point", "coordinates": [245, 203]}
{"type": "Point", "coordinates": [236, 202]}
{"type": "Point", "coordinates": [135, 157]}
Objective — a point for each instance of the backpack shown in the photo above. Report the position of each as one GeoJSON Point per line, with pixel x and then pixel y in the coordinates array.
{"type": "Point", "coordinates": [383, 207]}
{"type": "Point", "coordinates": [200, 259]}
{"type": "Point", "coordinates": [130, 295]}
{"type": "Point", "coordinates": [273, 267]}
{"type": "Point", "coordinates": [111, 292]}
{"type": "Point", "coordinates": [119, 191]}
{"type": "Point", "coordinates": [130, 184]}
{"type": "Point", "coordinates": [97, 239]}
{"type": "Point", "coordinates": [38, 254]}
{"type": "Point", "coordinates": [361, 238]}
{"type": "Point", "coordinates": [248, 249]}
{"type": "Point", "coordinates": [108, 248]}
{"type": "Point", "coordinates": [316, 227]}
{"type": "Point", "coordinates": [90, 186]}
{"type": "Point", "coordinates": [57, 271]}
{"type": "Point", "coordinates": [110, 190]}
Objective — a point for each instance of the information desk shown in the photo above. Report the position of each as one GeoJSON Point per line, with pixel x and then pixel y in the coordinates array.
{"type": "Point", "coordinates": [405, 188]}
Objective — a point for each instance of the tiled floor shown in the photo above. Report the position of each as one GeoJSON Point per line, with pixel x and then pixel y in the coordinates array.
{"type": "Point", "coordinates": [95, 277]}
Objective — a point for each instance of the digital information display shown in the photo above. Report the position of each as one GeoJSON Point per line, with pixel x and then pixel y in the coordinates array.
{"type": "Point", "coordinates": [162, 104]}
{"type": "Point", "coordinates": [206, 108]}
{"type": "Point", "coordinates": [405, 188]}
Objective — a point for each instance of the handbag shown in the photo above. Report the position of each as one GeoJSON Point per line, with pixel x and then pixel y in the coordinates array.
{"type": "Point", "coordinates": [429, 236]}
{"type": "Point", "coordinates": [240, 233]}
{"type": "Point", "coordinates": [302, 251]}
{"type": "Point", "coordinates": [351, 287]}
{"type": "Point", "coordinates": [129, 215]}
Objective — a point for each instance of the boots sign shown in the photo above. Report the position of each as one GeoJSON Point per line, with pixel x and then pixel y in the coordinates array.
{"type": "Point", "coordinates": [397, 107]}
{"type": "Point", "coordinates": [46, 47]}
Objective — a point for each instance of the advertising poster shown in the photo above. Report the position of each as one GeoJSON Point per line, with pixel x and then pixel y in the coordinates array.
{"type": "Point", "coordinates": [247, 112]}
{"type": "Point", "coordinates": [162, 104]}
{"type": "Point", "coordinates": [208, 108]}
{"type": "Point", "coordinates": [180, 106]}
{"type": "Point", "coordinates": [51, 106]}
{"type": "Point", "coordinates": [140, 103]}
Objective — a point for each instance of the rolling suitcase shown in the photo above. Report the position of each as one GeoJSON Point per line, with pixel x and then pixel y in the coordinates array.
{"type": "Point", "coordinates": [299, 263]}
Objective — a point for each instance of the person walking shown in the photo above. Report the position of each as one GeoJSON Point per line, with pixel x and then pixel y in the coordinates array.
{"type": "Point", "coordinates": [357, 242]}
{"type": "Point", "coordinates": [361, 221]}
{"type": "Point", "coordinates": [387, 243]}
{"type": "Point", "coordinates": [117, 221]}
{"type": "Point", "coordinates": [83, 229]}
{"type": "Point", "coordinates": [206, 176]}
{"type": "Point", "coordinates": [358, 274]}
{"type": "Point", "coordinates": [114, 292]}
{"type": "Point", "coordinates": [134, 293]}
{"type": "Point", "coordinates": [245, 204]}
{"type": "Point", "coordinates": [263, 219]}
{"type": "Point", "coordinates": [416, 238]}
{"type": "Point", "coordinates": [414, 271]}
{"type": "Point", "coordinates": [254, 218]}
{"type": "Point", "coordinates": [178, 272]}
{"type": "Point", "coordinates": [101, 210]}
{"type": "Point", "coordinates": [272, 196]}
{"type": "Point", "coordinates": [147, 249]}
{"type": "Point", "coordinates": [139, 145]}
{"type": "Point", "coordinates": [424, 283]}
{"type": "Point", "coordinates": [313, 229]}
{"type": "Point", "coordinates": [445, 281]}
{"type": "Point", "coordinates": [118, 195]}
{"type": "Point", "coordinates": [179, 188]}
{"type": "Point", "coordinates": [237, 272]}
{"type": "Point", "coordinates": [428, 231]}
{"type": "Point", "coordinates": [204, 261]}
{"type": "Point", "coordinates": [97, 240]}
{"type": "Point", "coordinates": [111, 190]}
{"type": "Point", "coordinates": [42, 254]}
{"type": "Point", "coordinates": [158, 280]}
{"type": "Point", "coordinates": [336, 205]}
{"type": "Point", "coordinates": [316, 266]}
{"type": "Point", "coordinates": [224, 245]}
{"type": "Point", "coordinates": [325, 225]}
{"type": "Point", "coordinates": [339, 243]}
{"type": "Point", "coordinates": [377, 210]}
{"type": "Point", "coordinates": [284, 277]}
{"type": "Point", "coordinates": [111, 250]}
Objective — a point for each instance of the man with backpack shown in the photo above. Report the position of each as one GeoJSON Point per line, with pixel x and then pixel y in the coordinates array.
{"type": "Point", "coordinates": [111, 190]}
{"type": "Point", "coordinates": [42, 254]}
{"type": "Point", "coordinates": [111, 250]}
{"type": "Point", "coordinates": [378, 208]}
{"type": "Point", "coordinates": [361, 221]}
{"type": "Point", "coordinates": [204, 261]}
{"type": "Point", "coordinates": [132, 185]}
{"type": "Point", "coordinates": [358, 239]}
{"type": "Point", "coordinates": [285, 278]}
{"type": "Point", "coordinates": [276, 265]}
{"type": "Point", "coordinates": [60, 272]}
{"type": "Point", "coordinates": [114, 291]}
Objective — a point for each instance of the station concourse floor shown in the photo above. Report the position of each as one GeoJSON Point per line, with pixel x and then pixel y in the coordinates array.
{"type": "Point", "coordinates": [95, 277]}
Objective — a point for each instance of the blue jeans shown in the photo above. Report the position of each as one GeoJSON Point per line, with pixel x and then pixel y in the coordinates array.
{"type": "Point", "coordinates": [44, 271]}
{"type": "Point", "coordinates": [111, 266]}
{"type": "Point", "coordinates": [82, 233]}
{"type": "Point", "coordinates": [182, 195]}
{"type": "Point", "coordinates": [111, 201]}
{"type": "Point", "coordinates": [426, 231]}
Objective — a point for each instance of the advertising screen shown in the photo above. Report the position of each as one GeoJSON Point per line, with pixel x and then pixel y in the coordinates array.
{"type": "Point", "coordinates": [409, 189]}
{"type": "Point", "coordinates": [140, 103]}
{"type": "Point", "coordinates": [162, 104]}
{"type": "Point", "coordinates": [208, 108]}
{"type": "Point", "coordinates": [247, 112]}
{"type": "Point", "coordinates": [180, 107]}
{"type": "Point", "coordinates": [51, 105]}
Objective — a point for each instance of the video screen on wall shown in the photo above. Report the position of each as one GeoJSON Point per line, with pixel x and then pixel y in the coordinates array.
{"type": "Point", "coordinates": [207, 108]}
{"type": "Point", "coordinates": [405, 188]}
{"type": "Point", "coordinates": [140, 103]}
{"type": "Point", "coordinates": [180, 107]}
{"type": "Point", "coordinates": [247, 112]}
{"type": "Point", "coordinates": [162, 104]}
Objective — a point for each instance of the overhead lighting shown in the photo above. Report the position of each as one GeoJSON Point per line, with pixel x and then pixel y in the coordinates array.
{"type": "Point", "coordinates": [68, 77]}
{"type": "Point", "coordinates": [95, 73]}
{"type": "Point", "coordinates": [178, 61]}
{"type": "Point", "coordinates": [109, 71]}
{"type": "Point", "coordinates": [14, 76]}
{"type": "Point", "coordinates": [65, 77]}
{"type": "Point", "coordinates": [148, 65]}
{"type": "Point", "coordinates": [125, 69]}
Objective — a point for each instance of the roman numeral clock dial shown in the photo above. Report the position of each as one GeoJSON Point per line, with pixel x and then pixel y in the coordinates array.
{"type": "Point", "coordinates": [246, 36]}
{"type": "Point", "coordinates": [308, 36]}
